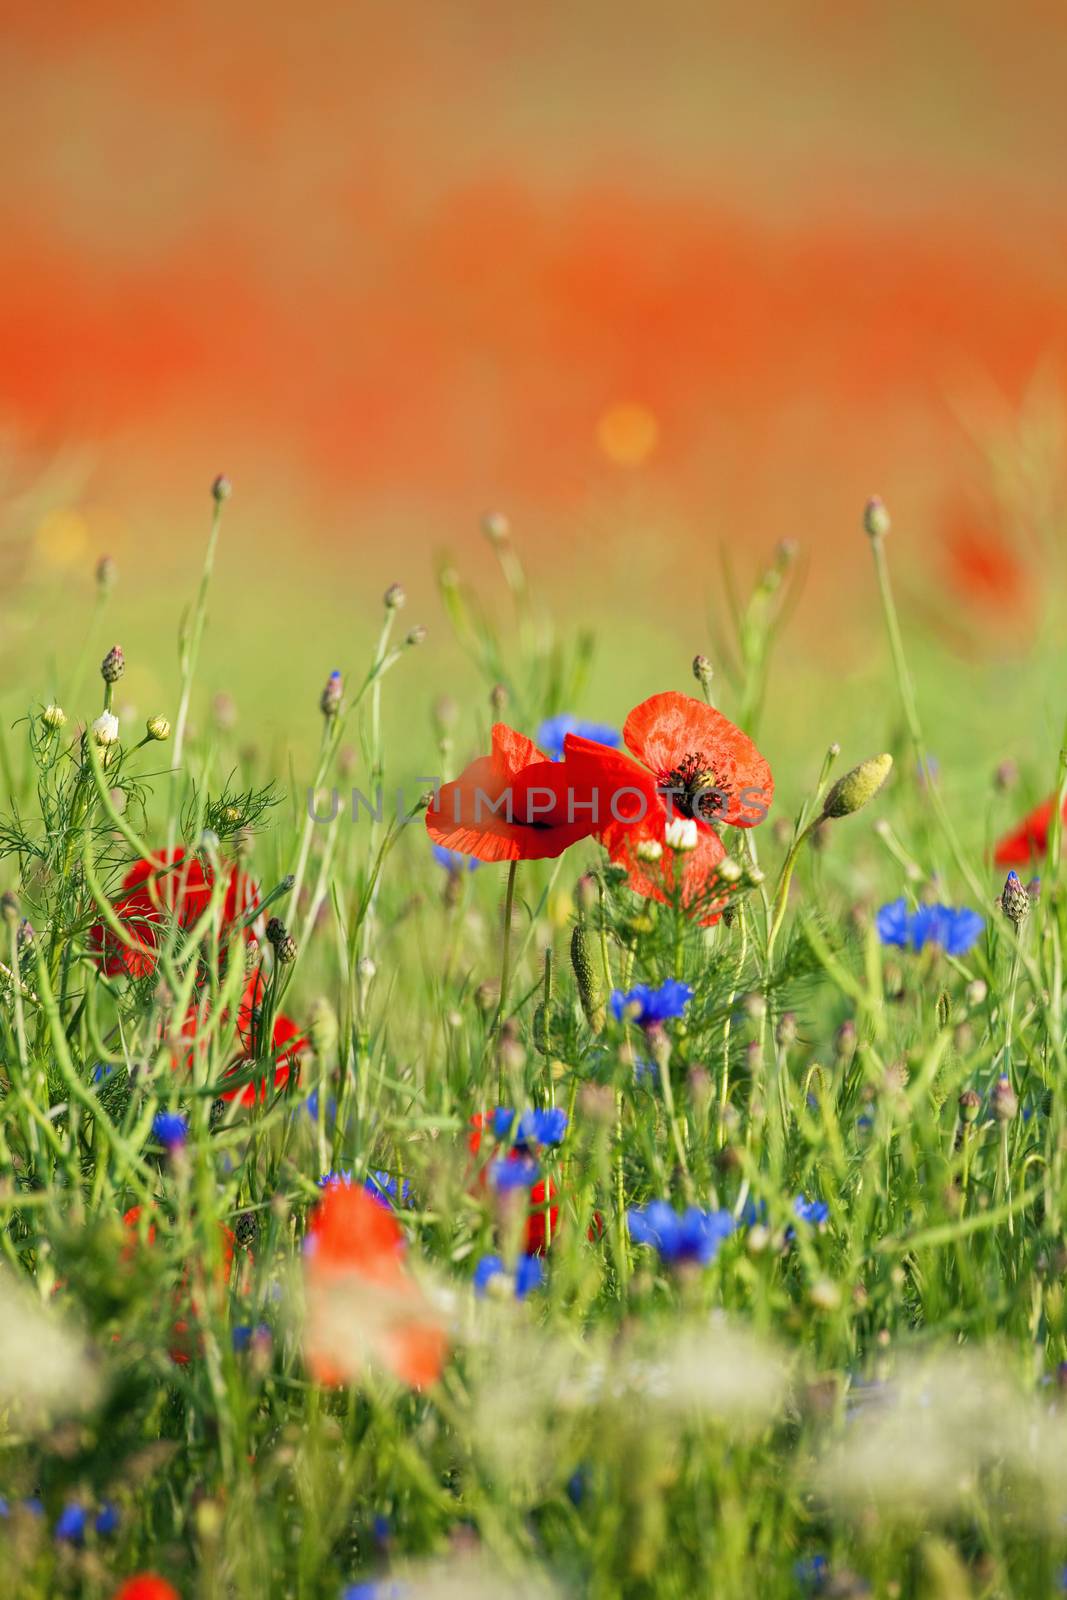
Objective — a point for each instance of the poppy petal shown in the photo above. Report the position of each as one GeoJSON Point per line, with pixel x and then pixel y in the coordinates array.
{"type": "Point", "coordinates": [671, 729]}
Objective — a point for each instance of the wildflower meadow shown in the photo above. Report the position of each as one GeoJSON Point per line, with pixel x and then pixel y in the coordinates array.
{"type": "Point", "coordinates": [616, 1161]}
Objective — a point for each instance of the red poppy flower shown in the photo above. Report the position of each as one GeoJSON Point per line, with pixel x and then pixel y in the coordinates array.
{"type": "Point", "coordinates": [1029, 840]}
{"type": "Point", "coordinates": [697, 766]}
{"type": "Point", "coordinates": [511, 805]}
{"type": "Point", "coordinates": [361, 1301]}
{"type": "Point", "coordinates": [287, 1042]}
{"type": "Point", "coordinates": [170, 884]}
{"type": "Point", "coordinates": [146, 1586]}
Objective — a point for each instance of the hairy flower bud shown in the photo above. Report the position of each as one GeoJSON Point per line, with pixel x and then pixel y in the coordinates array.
{"type": "Point", "coordinates": [703, 671]}
{"type": "Point", "coordinates": [876, 521]}
{"type": "Point", "coordinates": [158, 728]}
{"type": "Point", "coordinates": [106, 574]}
{"type": "Point", "coordinates": [221, 489]}
{"type": "Point", "coordinates": [113, 665]}
{"type": "Point", "coordinates": [282, 941]}
{"type": "Point", "coordinates": [416, 635]}
{"type": "Point", "coordinates": [394, 597]}
{"type": "Point", "coordinates": [853, 791]}
{"type": "Point", "coordinates": [970, 1104]}
{"type": "Point", "coordinates": [498, 699]}
{"type": "Point", "coordinates": [589, 992]}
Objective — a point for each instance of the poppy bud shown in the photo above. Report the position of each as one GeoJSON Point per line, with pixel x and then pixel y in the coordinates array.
{"type": "Point", "coordinates": [415, 635]}
{"type": "Point", "coordinates": [330, 698]}
{"type": "Point", "coordinates": [1004, 1100]}
{"type": "Point", "coordinates": [221, 489]}
{"type": "Point", "coordinates": [944, 1005]}
{"type": "Point", "coordinates": [1006, 776]}
{"type": "Point", "coordinates": [498, 699]}
{"type": "Point", "coordinates": [703, 671]}
{"type": "Point", "coordinates": [876, 521]}
{"type": "Point", "coordinates": [853, 791]}
{"type": "Point", "coordinates": [106, 574]}
{"type": "Point", "coordinates": [53, 717]}
{"type": "Point", "coordinates": [113, 665]}
{"type": "Point", "coordinates": [786, 1032]}
{"type": "Point", "coordinates": [9, 907]}
{"type": "Point", "coordinates": [976, 992]}
{"type": "Point", "coordinates": [588, 988]}
{"type": "Point", "coordinates": [394, 597]}
{"type": "Point", "coordinates": [158, 728]}
{"type": "Point", "coordinates": [1014, 901]}
{"type": "Point", "coordinates": [845, 1040]}
{"type": "Point", "coordinates": [970, 1106]}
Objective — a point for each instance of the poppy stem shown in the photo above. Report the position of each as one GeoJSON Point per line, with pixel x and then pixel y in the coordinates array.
{"type": "Point", "coordinates": [505, 961]}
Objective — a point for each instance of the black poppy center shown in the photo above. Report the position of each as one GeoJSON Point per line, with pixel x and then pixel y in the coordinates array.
{"type": "Point", "coordinates": [692, 788]}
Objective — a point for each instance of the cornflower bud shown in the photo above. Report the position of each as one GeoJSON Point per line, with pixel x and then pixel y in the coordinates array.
{"type": "Point", "coordinates": [852, 792]}
{"type": "Point", "coordinates": [970, 1106]}
{"type": "Point", "coordinates": [158, 728]}
{"type": "Point", "coordinates": [330, 699]}
{"type": "Point", "coordinates": [394, 597]}
{"type": "Point", "coordinates": [282, 941]}
{"type": "Point", "coordinates": [53, 717]}
{"type": "Point", "coordinates": [1004, 1100]}
{"type": "Point", "coordinates": [221, 489]}
{"type": "Point", "coordinates": [1014, 901]}
{"type": "Point", "coordinates": [113, 665]}
{"type": "Point", "coordinates": [876, 521]}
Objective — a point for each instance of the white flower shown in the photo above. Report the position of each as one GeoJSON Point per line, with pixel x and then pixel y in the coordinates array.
{"type": "Point", "coordinates": [649, 850]}
{"type": "Point", "coordinates": [106, 729]}
{"type": "Point", "coordinates": [681, 834]}
{"type": "Point", "coordinates": [730, 871]}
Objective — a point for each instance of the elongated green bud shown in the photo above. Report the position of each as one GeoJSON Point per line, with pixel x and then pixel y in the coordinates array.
{"type": "Point", "coordinates": [588, 987]}
{"type": "Point", "coordinates": [853, 791]}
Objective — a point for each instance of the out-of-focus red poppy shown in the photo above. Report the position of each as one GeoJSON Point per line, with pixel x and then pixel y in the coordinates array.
{"type": "Point", "coordinates": [983, 566]}
{"type": "Point", "coordinates": [146, 1586]}
{"type": "Point", "coordinates": [168, 885]}
{"type": "Point", "coordinates": [183, 1344]}
{"type": "Point", "coordinates": [511, 805]}
{"type": "Point", "coordinates": [362, 1303]}
{"type": "Point", "coordinates": [697, 767]}
{"type": "Point", "coordinates": [542, 1220]}
{"type": "Point", "coordinates": [1029, 841]}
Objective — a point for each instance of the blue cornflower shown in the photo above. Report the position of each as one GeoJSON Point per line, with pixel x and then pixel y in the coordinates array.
{"type": "Point", "coordinates": [311, 1106]}
{"type": "Point", "coordinates": [529, 1274]}
{"type": "Point", "coordinates": [171, 1129]}
{"type": "Point", "coordinates": [341, 1179]}
{"type": "Point", "coordinates": [954, 930]}
{"type": "Point", "coordinates": [70, 1524]}
{"type": "Point", "coordinates": [645, 1005]}
{"type": "Point", "coordinates": [386, 1590]}
{"type": "Point", "coordinates": [453, 860]}
{"type": "Point", "coordinates": [813, 1211]}
{"type": "Point", "coordinates": [519, 1172]}
{"type": "Point", "coordinates": [242, 1335]}
{"type": "Point", "coordinates": [812, 1572]}
{"type": "Point", "coordinates": [690, 1235]}
{"type": "Point", "coordinates": [383, 1185]}
{"type": "Point", "coordinates": [107, 1519]}
{"type": "Point", "coordinates": [552, 732]}
{"type": "Point", "coordinates": [101, 1071]}
{"type": "Point", "coordinates": [533, 1127]}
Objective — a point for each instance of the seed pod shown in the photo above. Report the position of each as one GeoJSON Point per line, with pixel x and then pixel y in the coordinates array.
{"type": "Point", "coordinates": [589, 992]}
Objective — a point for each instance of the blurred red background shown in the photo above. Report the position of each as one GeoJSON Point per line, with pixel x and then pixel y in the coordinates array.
{"type": "Point", "coordinates": [647, 276]}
